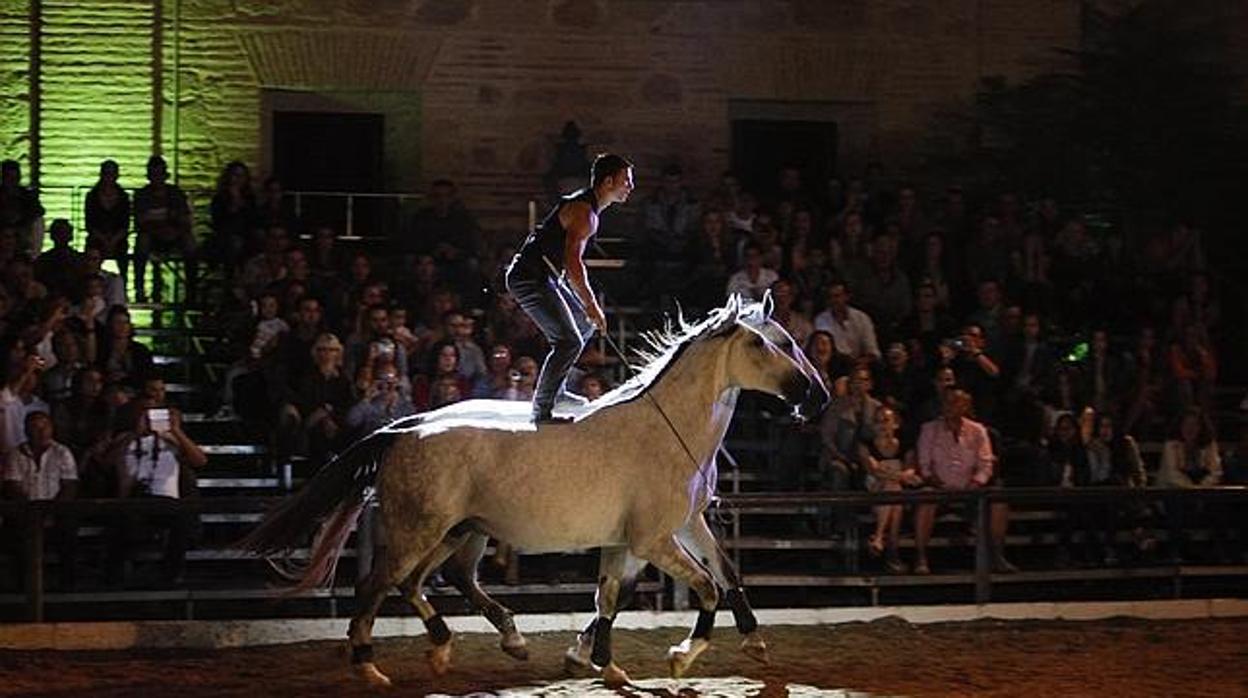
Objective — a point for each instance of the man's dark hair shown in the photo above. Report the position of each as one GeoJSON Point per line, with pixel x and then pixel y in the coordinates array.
{"type": "Point", "coordinates": [10, 166]}
{"type": "Point", "coordinates": [752, 246]}
{"type": "Point", "coordinates": [606, 165]}
{"type": "Point", "coordinates": [32, 416]}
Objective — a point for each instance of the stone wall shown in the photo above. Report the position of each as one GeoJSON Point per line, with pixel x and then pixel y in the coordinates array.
{"type": "Point", "coordinates": [496, 79]}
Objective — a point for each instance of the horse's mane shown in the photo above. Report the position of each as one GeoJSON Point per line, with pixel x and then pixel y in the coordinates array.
{"type": "Point", "coordinates": [663, 346]}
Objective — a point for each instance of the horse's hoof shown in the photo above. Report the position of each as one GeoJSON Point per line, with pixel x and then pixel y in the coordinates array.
{"type": "Point", "coordinates": [755, 648]}
{"type": "Point", "coordinates": [439, 657]}
{"type": "Point", "coordinates": [576, 664]}
{"type": "Point", "coordinates": [681, 657]}
{"type": "Point", "coordinates": [372, 675]}
{"type": "Point", "coordinates": [516, 646]}
{"type": "Point", "coordinates": [613, 676]}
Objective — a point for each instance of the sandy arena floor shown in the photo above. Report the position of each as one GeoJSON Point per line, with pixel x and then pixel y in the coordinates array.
{"type": "Point", "coordinates": [889, 657]}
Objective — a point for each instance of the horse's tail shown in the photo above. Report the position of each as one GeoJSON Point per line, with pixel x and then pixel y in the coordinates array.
{"type": "Point", "coordinates": [333, 498]}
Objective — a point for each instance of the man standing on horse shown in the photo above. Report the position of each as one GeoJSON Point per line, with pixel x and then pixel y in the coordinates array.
{"type": "Point", "coordinates": [548, 278]}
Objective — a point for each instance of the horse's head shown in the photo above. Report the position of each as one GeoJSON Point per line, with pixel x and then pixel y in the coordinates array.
{"type": "Point", "coordinates": [758, 316]}
{"type": "Point", "coordinates": [756, 362]}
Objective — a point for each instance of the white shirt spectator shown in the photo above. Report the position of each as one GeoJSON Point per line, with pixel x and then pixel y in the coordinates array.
{"type": "Point", "coordinates": [153, 464]}
{"type": "Point", "coordinates": [13, 417]}
{"type": "Point", "coordinates": [752, 288]}
{"type": "Point", "coordinates": [854, 337]}
{"type": "Point", "coordinates": [40, 479]}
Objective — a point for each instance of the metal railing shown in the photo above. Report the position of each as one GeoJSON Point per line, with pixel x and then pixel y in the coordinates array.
{"type": "Point", "coordinates": [35, 517]}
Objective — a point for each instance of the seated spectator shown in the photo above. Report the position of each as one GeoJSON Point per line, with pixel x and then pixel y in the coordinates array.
{"type": "Point", "coordinates": [407, 340]}
{"type": "Point", "coordinates": [273, 208]}
{"type": "Point", "coordinates": [154, 459]}
{"type": "Point", "coordinates": [1190, 458]}
{"type": "Point", "coordinates": [1193, 368]}
{"type": "Point", "coordinates": [265, 268]}
{"type": "Point", "coordinates": [934, 269]}
{"type": "Point", "coordinates": [754, 278]}
{"type": "Point", "coordinates": [882, 289]}
{"type": "Point", "coordinates": [593, 386]}
{"type": "Point", "coordinates": [80, 420]}
{"type": "Point", "coordinates": [848, 420]}
{"type": "Point", "coordinates": [444, 363]}
{"type": "Point", "coordinates": [499, 376]}
{"type": "Point", "coordinates": [889, 465]}
{"type": "Point", "coordinates": [162, 217]}
{"type": "Point", "coordinates": [118, 356]}
{"type": "Point", "coordinates": [792, 319]}
{"type": "Point", "coordinates": [899, 384]}
{"type": "Point", "coordinates": [382, 403]}
{"type": "Point", "coordinates": [1069, 457]}
{"type": "Point", "coordinates": [112, 286]}
{"type": "Point", "coordinates": [852, 330]}
{"type": "Point", "coordinates": [925, 328]}
{"type": "Point", "coordinates": [1101, 373]}
{"type": "Point", "coordinates": [977, 371]}
{"type": "Point", "coordinates": [18, 399]}
{"type": "Point", "coordinates": [461, 328]}
{"type": "Point", "coordinates": [832, 365]}
{"type": "Point", "coordinates": [56, 382]}
{"type": "Point", "coordinates": [312, 422]}
{"type": "Point", "coordinates": [57, 268]}
{"type": "Point", "coordinates": [955, 453]}
{"type": "Point", "coordinates": [670, 214]}
{"type": "Point", "coordinates": [1028, 363]}
{"type": "Point", "coordinates": [24, 289]}
{"type": "Point", "coordinates": [41, 469]}
{"type": "Point", "coordinates": [107, 214]}
{"type": "Point", "coordinates": [1114, 460]}
{"type": "Point", "coordinates": [1145, 375]}
{"type": "Point", "coordinates": [376, 340]}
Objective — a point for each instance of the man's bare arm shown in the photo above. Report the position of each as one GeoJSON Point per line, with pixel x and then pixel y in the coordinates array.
{"type": "Point", "coordinates": [580, 222]}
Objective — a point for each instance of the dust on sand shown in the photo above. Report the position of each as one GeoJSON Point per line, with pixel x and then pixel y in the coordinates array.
{"type": "Point", "coordinates": [888, 657]}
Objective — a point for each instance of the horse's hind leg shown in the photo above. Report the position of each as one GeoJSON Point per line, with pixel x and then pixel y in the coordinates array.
{"type": "Point", "coordinates": [670, 557]}
{"type": "Point", "coordinates": [413, 589]}
{"type": "Point", "coordinates": [392, 564]}
{"type": "Point", "coordinates": [701, 541]}
{"type": "Point", "coordinates": [461, 572]}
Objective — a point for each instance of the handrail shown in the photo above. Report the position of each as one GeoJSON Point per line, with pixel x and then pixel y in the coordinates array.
{"type": "Point", "coordinates": [35, 514]}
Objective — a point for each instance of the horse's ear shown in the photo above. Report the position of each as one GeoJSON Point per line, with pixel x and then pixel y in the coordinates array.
{"type": "Point", "coordinates": [769, 304]}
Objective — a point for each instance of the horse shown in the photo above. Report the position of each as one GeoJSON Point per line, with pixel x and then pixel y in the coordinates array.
{"type": "Point", "coordinates": [697, 537]}
{"type": "Point", "coordinates": [442, 481]}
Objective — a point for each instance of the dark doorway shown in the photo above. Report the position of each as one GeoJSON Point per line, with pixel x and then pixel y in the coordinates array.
{"type": "Point", "coordinates": [761, 147]}
{"type": "Point", "coordinates": [330, 152]}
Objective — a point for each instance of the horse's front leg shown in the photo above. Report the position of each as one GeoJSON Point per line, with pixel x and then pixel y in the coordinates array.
{"type": "Point", "coordinates": [668, 555]}
{"type": "Point", "coordinates": [698, 538]}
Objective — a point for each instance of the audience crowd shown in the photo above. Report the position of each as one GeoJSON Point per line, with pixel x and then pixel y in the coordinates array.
{"type": "Point", "coordinates": [970, 339]}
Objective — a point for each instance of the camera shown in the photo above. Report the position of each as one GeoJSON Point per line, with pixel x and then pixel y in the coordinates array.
{"type": "Point", "coordinates": [956, 343]}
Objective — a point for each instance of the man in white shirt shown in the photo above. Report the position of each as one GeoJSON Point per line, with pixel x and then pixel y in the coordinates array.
{"type": "Point", "coordinates": [754, 279]}
{"type": "Point", "coordinates": [40, 469]}
{"type": "Point", "coordinates": [851, 329]}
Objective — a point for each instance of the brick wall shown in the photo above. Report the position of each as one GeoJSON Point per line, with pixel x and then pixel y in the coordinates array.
{"type": "Point", "coordinates": [498, 78]}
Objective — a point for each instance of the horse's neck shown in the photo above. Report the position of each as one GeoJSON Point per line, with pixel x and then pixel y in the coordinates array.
{"type": "Point", "coordinates": [698, 407]}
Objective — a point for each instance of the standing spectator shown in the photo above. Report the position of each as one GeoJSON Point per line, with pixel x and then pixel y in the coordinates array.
{"type": "Point", "coordinates": [107, 212]}
{"type": "Point", "coordinates": [670, 214]}
{"type": "Point", "coordinates": [889, 465]}
{"type": "Point", "coordinates": [754, 278]}
{"type": "Point", "coordinates": [448, 231]}
{"type": "Point", "coordinates": [976, 370]}
{"type": "Point", "coordinates": [20, 209]}
{"type": "Point", "coordinates": [851, 329]}
{"type": "Point", "coordinates": [162, 217]}
{"type": "Point", "coordinates": [234, 214]}
{"type": "Point", "coordinates": [151, 458]}
{"type": "Point", "coordinates": [955, 453]}
{"type": "Point", "coordinates": [41, 469]}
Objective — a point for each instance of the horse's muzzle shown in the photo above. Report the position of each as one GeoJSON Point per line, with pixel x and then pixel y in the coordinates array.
{"type": "Point", "coordinates": [796, 388]}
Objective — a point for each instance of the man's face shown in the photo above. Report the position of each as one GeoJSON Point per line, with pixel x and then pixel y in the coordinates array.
{"type": "Point", "coordinates": [156, 172]}
{"type": "Point", "coordinates": [620, 185]}
{"type": "Point", "coordinates": [500, 358]}
{"type": "Point", "coordinates": [838, 298]}
{"type": "Point", "coordinates": [956, 404]}
{"type": "Point", "coordinates": [974, 337]}
{"type": "Point", "coordinates": [310, 313]}
{"type": "Point", "coordinates": [39, 431]}
{"type": "Point", "coordinates": [1031, 327]}
{"type": "Point", "coordinates": [379, 321]}
{"type": "Point", "coordinates": [712, 223]}
{"type": "Point", "coordinates": [154, 391]}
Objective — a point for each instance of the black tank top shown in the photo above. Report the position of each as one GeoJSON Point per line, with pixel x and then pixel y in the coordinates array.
{"type": "Point", "coordinates": [549, 238]}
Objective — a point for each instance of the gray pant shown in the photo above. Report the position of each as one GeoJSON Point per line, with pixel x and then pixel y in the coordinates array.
{"type": "Point", "coordinates": [561, 317]}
